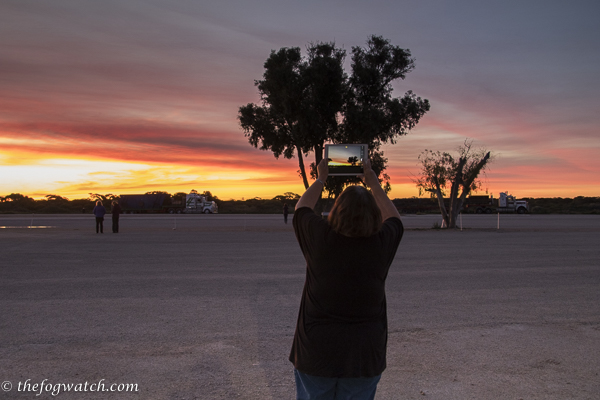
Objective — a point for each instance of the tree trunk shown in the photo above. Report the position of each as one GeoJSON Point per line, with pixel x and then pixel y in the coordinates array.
{"type": "Point", "coordinates": [302, 169]}
{"type": "Point", "coordinates": [454, 201]}
{"type": "Point", "coordinates": [318, 154]}
{"type": "Point", "coordinates": [440, 198]}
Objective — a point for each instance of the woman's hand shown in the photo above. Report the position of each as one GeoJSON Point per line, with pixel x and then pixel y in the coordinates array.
{"type": "Point", "coordinates": [322, 170]}
{"type": "Point", "coordinates": [388, 209]}
{"type": "Point", "coordinates": [369, 177]}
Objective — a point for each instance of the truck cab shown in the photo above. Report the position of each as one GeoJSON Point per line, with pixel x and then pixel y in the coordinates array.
{"type": "Point", "coordinates": [509, 202]}
{"type": "Point", "coordinates": [196, 204]}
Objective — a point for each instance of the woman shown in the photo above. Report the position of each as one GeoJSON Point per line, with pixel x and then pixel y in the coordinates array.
{"type": "Point", "coordinates": [339, 349]}
{"type": "Point", "coordinates": [286, 211]}
{"type": "Point", "coordinates": [99, 212]}
{"type": "Point", "coordinates": [115, 210]}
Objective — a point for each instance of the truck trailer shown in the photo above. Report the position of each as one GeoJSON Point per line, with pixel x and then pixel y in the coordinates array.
{"type": "Point", "coordinates": [164, 203]}
{"type": "Point", "coordinates": [143, 203]}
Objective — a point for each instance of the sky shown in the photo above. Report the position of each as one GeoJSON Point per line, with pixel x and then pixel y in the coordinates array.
{"type": "Point", "coordinates": [131, 96]}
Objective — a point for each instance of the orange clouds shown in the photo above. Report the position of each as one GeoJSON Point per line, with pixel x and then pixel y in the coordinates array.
{"type": "Point", "coordinates": [119, 98]}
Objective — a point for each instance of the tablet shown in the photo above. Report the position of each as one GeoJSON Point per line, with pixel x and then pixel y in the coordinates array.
{"type": "Point", "coordinates": [346, 159]}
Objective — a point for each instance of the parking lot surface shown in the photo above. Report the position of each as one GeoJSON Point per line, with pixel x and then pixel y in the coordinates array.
{"type": "Point", "coordinates": [205, 306]}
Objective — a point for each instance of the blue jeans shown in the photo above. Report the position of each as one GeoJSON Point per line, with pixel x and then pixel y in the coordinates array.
{"type": "Point", "coordinates": [309, 387]}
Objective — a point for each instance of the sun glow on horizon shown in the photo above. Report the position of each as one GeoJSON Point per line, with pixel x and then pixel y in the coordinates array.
{"type": "Point", "coordinates": [75, 178]}
{"type": "Point", "coordinates": [226, 165]}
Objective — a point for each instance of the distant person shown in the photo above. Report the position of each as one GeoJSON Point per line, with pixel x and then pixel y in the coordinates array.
{"type": "Point", "coordinates": [339, 347]}
{"type": "Point", "coordinates": [99, 212]}
{"type": "Point", "coordinates": [286, 211]}
{"type": "Point", "coordinates": [116, 210]}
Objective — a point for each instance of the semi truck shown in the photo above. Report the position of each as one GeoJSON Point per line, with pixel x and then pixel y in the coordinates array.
{"type": "Point", "coordinates": [488, 204]}
{"type": "Point", "coordinates": [193, 203]}
{"type": "Point", "coordinates": [197, 204]}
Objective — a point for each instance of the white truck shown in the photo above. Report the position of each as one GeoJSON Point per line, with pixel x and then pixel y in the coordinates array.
{"type": "Point", "coordinates": [488, 205]}
{"type": "Point", "coordinates": [196, 204]}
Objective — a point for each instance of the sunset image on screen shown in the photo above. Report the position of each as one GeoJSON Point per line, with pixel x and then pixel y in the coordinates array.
{"type": "Point", "coordinates": [344, 159]}
{"type": "Point", "coordinates": [344, 156]}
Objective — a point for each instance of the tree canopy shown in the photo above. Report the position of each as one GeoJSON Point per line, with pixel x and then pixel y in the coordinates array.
{"type": "Point", "coordinates": [17, 198]}
{"type": "Point", "coordinates": [309, 100]}
{"type": "Point", "coordinates": [102, 197]}
{"type": "Point", "coordinates": [55, 197]}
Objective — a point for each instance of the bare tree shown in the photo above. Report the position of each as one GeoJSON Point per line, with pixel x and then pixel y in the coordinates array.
{"type": "Point", "coordinates": [443, 171]}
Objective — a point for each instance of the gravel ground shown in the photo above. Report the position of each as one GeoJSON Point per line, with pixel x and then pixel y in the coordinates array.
{"type": "Point", "coordinates": [204, 307]}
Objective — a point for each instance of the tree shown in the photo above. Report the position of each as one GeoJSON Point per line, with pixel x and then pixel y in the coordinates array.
{"type": "Point", "coordinates": [371, 114]}
{"type": "Point", "coordinates": [443, 171]}
{"type": "Point", "coordinates": [102, 197]}
{"type": "Point", "coordinates": [275, 123]}
{"type": "Point", "coordinates": [287, 196]}
{"type": "Point", "coordinates": [326, 91]}
{"type": "Point", "coordinates": [180, 196]}
{"type": "Point", "coordinates": [210, 197]}
{"type": "Point", "coordinates": [300, 102]}
{"type": "Point", "coordinates": [157, 192]}
{"type": "Point", "coordinates": [18, 198]}
{"type": "Point", "coordinates": [307, 101]}
{"type": "Point", "coordinates": [57, 198]}
{"type": "Point", "coordinates": [18, 202]}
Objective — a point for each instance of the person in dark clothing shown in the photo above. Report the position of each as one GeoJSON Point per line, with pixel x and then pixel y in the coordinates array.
{"type": "Point", "coordinates": [286, 211]}
{"type": "Point", "coordinates": [99, 212]}
{"type": "Point", "coordinates": [339, 347]}
{"type": "Point", "coordinates": [116, 210]}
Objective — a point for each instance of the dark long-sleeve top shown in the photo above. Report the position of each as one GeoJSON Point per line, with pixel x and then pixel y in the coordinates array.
{"type": "Point", "coordinates": [99, 211]}
{"type": "Point", "coordinates": [116, 210]}
{"type": "Point", "coordinates": [342, 322]}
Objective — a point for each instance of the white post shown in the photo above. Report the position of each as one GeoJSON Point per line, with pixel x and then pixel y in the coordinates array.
{"type": "Point", "coordinates": [31, 224]}
{"type": "Point", "coordinates": [174, 223]}
{"type": "Point", "coordinates": [443, 223]}
{"type": "Point", "coordinates": [498, 219]}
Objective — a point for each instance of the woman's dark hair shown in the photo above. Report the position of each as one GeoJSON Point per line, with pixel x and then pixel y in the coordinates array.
{"type": "Point", "coordinates": [355, 213]}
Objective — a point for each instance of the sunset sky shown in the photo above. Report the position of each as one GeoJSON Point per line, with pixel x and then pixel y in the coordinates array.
{"type": "Point", "coordinates": [131, 96]}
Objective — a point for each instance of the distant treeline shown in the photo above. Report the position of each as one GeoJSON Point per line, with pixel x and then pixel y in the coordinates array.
{"type": "Point", "coordinates": [53, 204]}
{"type": "Point", "coordinates": [549, 205]}
{"type": "Point", "coordinates": [557, 205]}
